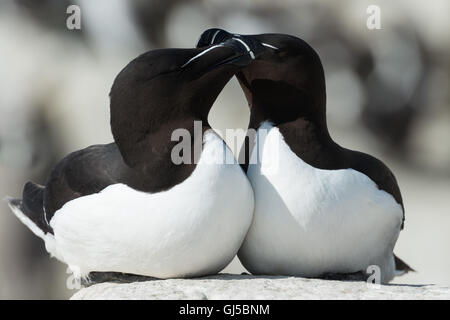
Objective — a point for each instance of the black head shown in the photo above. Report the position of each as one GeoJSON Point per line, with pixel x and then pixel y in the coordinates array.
{"type": "Point", "coordinates": [285, 82]}
{"type": "Point", "coordinates": [166, 89]}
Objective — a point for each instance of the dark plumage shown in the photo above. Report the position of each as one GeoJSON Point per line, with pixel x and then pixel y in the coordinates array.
{"type": "Point", "coordinates": [150, 98]}
{"type": "Point", "coordinates": [286, 86]}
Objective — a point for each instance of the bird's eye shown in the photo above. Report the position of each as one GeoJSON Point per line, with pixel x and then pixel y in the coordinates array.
{"type": "Point", "coordinates": [283, 53]}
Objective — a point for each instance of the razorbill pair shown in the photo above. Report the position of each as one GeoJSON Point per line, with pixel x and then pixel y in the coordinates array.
{"type": "Point", "coordinates": [126, 207]}
{"type": "Point", "coordinates": [320, 210]}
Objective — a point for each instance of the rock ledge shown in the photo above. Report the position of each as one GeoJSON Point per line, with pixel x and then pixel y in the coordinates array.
{"type": "Point", "coordinates": [228, 286]}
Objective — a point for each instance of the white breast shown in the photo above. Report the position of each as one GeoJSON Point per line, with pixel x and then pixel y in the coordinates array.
{"type": "Point", "coordinates": [193, 229]}
{"type": "Point", "coordinates": [309, 221]}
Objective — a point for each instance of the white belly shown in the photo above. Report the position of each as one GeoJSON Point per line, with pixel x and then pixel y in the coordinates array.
{"type": "Point", "coordinates": [309, 221]}
{"type": "Point", "coordinates": [195, 228]}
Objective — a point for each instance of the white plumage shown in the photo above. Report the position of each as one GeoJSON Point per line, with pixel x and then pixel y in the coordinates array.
{"type": "Point", "coordinates": [193, 229]}
{"type": "Point", "coordinates": [310, 221]}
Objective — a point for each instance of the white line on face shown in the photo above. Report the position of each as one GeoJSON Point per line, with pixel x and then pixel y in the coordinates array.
{"type": "Point", "coordinates": [45, 216]}
{"type": "Point", "coordinates": [200, 54]}
{"type": "Point", "coordinates": [214, 36]}
{"type": "Point", "coordinates": [269, 46]}
{"type": "Point", "coordinates": [246, 47]}
{"type": "Point", "coordinates": [237, 38]}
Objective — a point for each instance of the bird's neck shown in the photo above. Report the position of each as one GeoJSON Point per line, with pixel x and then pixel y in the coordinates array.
{"type": "Point", "coordinates": [141, 145]}
{"type": "Point", "coordinates": [308, 137]}
{"type": "Point", "coordinates": [306, 132]}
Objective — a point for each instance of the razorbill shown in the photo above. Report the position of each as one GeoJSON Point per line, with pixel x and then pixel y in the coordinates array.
{"type": "Point", "coordinates": [320, 210]}
{"type": "Point", "coordinates": [126, 206]}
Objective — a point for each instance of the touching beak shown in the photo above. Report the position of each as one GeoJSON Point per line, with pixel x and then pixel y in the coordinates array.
{"type": "Point", "coordinates": [233, 51]}
{"type": "Point", "coordinates": [215, 35]}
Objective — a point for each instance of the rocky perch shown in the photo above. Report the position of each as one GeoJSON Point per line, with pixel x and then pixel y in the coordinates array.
{"type": "Point", "coordinates": [228, 286]}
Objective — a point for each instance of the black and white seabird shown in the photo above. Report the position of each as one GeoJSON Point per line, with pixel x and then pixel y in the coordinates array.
{"type": "Point", "coordinates": [320, 209]}
{"type": "Point", "coordinates": [126, 206]}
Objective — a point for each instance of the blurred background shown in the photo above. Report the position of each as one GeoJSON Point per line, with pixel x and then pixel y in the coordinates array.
{"type": "Point", "coordinates": [388, 95]}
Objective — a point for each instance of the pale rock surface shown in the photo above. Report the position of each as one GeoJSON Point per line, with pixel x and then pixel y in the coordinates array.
{"type": "Point", "coordinates": [229, 287]}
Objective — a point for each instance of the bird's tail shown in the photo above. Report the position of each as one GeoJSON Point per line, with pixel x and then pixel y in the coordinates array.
{"type": "Point", "coordinates": [30, 211]}
{"type": "Point", "coordinates": [401, 267]}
